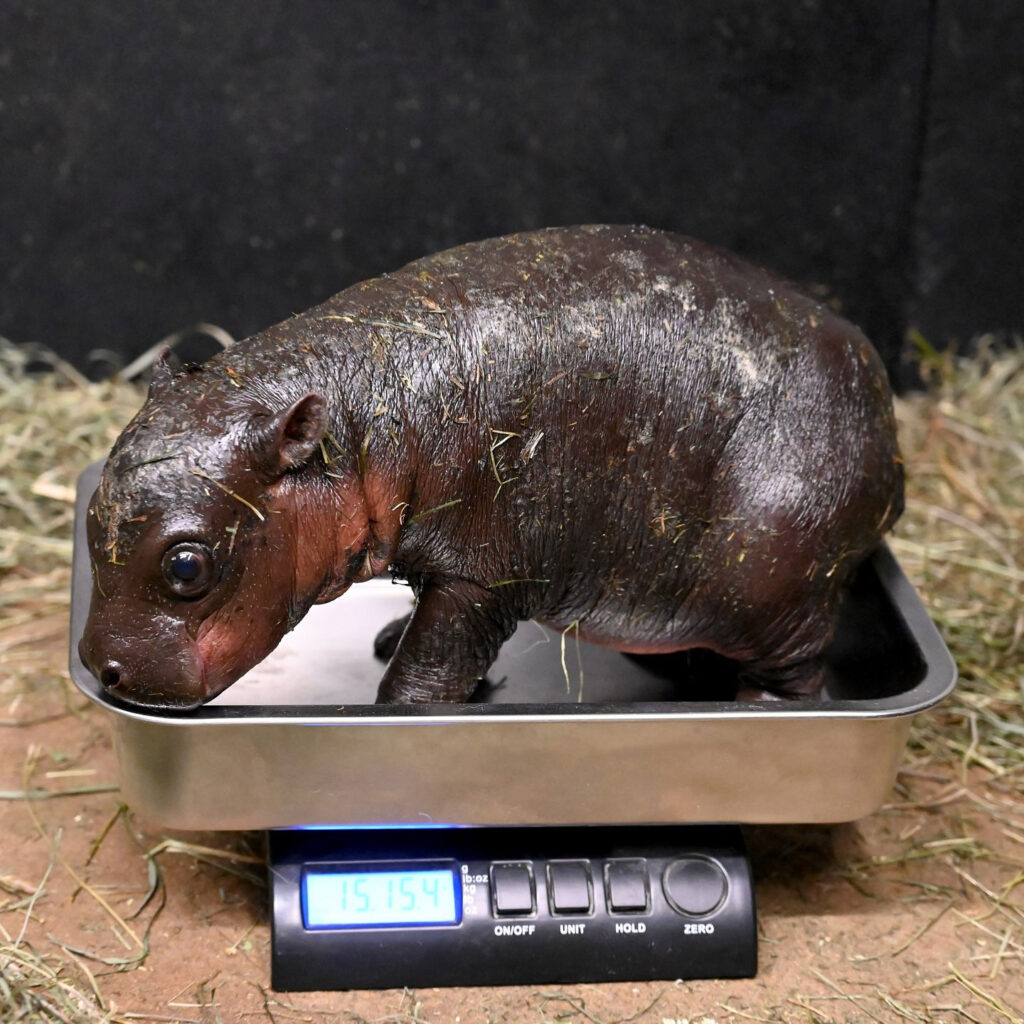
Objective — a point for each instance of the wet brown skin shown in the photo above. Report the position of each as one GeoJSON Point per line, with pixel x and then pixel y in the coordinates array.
{"type": "Point", "coordinates": [617, 431]}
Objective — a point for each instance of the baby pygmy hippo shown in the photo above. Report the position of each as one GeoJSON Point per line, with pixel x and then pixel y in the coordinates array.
{"type": "Point", "coordinates": [613, 430]}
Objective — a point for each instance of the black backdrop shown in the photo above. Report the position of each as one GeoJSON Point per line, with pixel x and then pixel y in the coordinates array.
{"type": "Point", "coordinates": [237, 161]}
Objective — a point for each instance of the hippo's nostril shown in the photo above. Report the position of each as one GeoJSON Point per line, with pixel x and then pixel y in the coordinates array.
{"type": "Point", "coordinates": [111, 675]}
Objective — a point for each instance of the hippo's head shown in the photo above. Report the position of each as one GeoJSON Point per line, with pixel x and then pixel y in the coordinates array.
{"type": "Point", "coordinates": [214, 528]}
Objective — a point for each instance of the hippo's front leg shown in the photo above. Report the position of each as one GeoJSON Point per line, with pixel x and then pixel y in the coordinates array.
{"type": "Point", "coordinates": [454, 633]}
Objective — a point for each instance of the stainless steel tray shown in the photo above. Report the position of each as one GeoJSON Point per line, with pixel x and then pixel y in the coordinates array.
{"type": "Point", "coordinates": [566, 733]}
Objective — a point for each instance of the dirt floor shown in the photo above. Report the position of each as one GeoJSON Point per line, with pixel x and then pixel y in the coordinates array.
{"type": "Point", "coordinates": [895, 917]}
{"type": "Point", "coordinates": [915, 913]}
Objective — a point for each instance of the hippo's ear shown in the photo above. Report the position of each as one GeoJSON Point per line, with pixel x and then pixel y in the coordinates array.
{"type": "Point", "coordinates": [294, 435]}
{"type": "Point", "coordinates": [165, 366]}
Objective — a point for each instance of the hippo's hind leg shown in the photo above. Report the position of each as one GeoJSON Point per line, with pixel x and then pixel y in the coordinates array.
{"type": "Point", "coordinates": [789, 662]}
{"type": "Point", "coordinates": [795, 681]}
{"type": "Point", "coordinates": [783, 639]}
{"type": "Point", "coordinates": [779, 632]}
{"type": "Point", "coordinates": [455, 632]}
{"type": "Point", "coordinates": [385, 643]}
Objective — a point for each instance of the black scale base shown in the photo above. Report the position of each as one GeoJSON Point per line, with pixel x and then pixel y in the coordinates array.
{"type": "Point", "coordinates": [414, 907]}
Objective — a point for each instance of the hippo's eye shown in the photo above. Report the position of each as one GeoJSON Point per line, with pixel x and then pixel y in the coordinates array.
{"type": "Point", "coordinates": [188, 569]}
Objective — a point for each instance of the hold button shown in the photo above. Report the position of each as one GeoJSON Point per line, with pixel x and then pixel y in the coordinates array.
{"type": "Point", "coordinates": [626, 885]}
{"type": "Point", "coordinates": [695, 886]}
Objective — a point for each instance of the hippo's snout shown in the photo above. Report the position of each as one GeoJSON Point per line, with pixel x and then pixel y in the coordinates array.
{"type": "Point", "coordinates": [114, 677]}
{"type": "Point", "coordinates": [131, 683]}
{"type": "Point", "coordinates": [111, 675]}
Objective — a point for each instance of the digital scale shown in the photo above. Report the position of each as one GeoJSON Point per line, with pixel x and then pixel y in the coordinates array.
{"type": "Point", "coordinates": [576, 823]}
{"type": "Point", "coordinates": [427, 907]}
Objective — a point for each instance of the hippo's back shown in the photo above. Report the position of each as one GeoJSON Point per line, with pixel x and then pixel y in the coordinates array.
{"type": "Point", "coordinates": [633, 404]}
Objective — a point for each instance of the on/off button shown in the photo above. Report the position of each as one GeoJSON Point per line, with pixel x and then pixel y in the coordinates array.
{"type": "Point", "coordinates": [512, 889]}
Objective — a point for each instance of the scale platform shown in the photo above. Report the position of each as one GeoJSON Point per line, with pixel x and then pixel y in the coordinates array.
{"type": "Point", "coordinates": [573, 761]}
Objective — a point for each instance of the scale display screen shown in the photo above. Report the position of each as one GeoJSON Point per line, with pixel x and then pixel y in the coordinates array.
{"type": "Point", "coordinates": [344, 898]}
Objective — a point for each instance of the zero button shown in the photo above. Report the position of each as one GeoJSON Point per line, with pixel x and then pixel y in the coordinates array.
{"type": "Point", "coordinates": [694, 886]}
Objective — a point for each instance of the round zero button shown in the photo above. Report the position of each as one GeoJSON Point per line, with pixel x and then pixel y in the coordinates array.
{"type": "Point", "coordinates": [694, 886]}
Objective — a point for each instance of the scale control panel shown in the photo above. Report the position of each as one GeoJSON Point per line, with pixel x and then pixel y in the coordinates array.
{"type": "Point", "coordinates": [387, 908]}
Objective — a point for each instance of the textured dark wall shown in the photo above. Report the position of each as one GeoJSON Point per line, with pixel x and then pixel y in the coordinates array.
{"type": "Point", "coordinates": [969, 221]}
{"type": "Point", "coordinates": [239, 161]}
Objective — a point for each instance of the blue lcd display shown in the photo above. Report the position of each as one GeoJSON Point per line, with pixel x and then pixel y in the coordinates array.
{"type": "Point", "coordinates": [334, 898]}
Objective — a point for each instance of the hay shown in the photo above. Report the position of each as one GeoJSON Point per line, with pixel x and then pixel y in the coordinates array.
{"type": "Point", "coordinates": [42, 990]}
{"type": "Point", "coordinates": [961, 541]}
{"type": "Point", "coordinates": [54, 423]}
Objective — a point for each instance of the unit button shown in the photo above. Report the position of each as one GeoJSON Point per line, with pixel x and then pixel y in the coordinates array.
{"type": "Point", "coordinates": [626, 885]}
{"type": "Point", "coordinates": [569, 887]}
{"type": "Point", "coordinates": [695, 886]}
{"type": "Point", "coordinates": [512, 888]}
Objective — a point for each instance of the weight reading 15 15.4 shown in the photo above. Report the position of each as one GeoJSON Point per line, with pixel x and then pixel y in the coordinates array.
{"type": "Point", "coordinates": [351, 899]}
